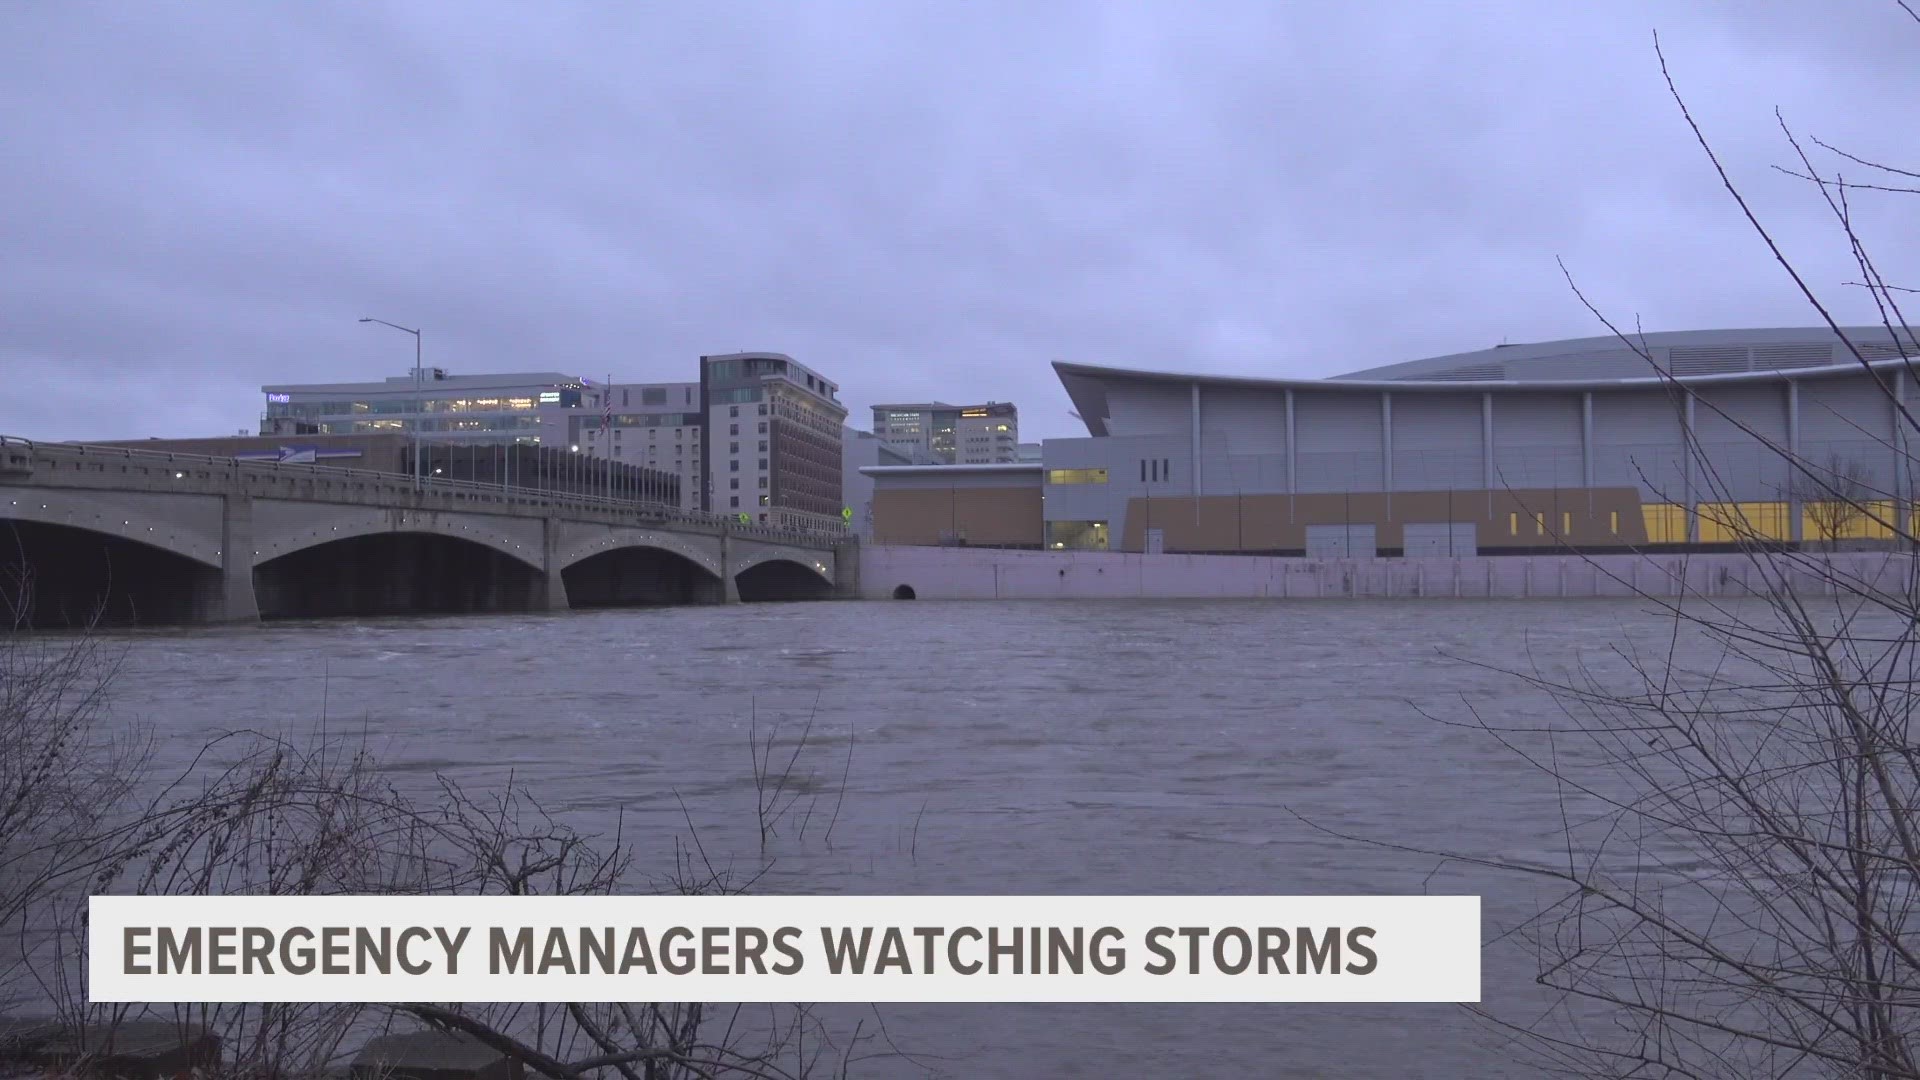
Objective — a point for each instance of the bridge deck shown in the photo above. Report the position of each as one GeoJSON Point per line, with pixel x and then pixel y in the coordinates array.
{"type": "Point", "coordinates": [238, 519]}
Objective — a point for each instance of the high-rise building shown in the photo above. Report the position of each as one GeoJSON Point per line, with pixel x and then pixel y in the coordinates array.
{"type": "Point", "coordinates": [655, 425]}
{"type": "Point", "coordinates": [771, 434]}
{"type": "Point", "coordinates": [525, 407]}
{"type": "Point", "coordinates": [951, 434]}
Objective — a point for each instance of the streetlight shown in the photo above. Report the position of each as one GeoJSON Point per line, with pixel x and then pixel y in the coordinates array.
{"type": "Point", "coordinates": [417, 403]}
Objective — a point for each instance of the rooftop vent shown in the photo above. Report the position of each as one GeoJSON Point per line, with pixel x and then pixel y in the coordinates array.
{"type": "Point", "coordinates": [1793, 355]}
{"type": "Point", "coordinates": [1468, 373]}
{"type": "Point", "coordinates": [1885, 351]}
{"type": "Point", "coordinates": [1710, 360]}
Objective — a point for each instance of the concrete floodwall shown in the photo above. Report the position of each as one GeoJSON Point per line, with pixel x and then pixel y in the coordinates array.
{"type": "Point", "coordinates": [936, 573]}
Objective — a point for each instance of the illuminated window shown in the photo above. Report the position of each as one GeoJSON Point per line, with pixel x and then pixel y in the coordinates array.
{"type": "Point", "coordinates": [1566, 524]}
{"type": "Point", "coordinates": [1666, 523]}
{"type": "Point", "coordinates": [1077, 535]}
{"type": "Point", "coordinates": [1077, 476]}
{"type": "Point", "coordinates": [1539, 524]}
{"type": "Point", "coordinates": [1613, 522]}
{"type": "Point", "coordinates": [1513, 524]}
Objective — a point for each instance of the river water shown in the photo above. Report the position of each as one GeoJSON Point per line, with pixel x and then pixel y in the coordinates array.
{"type": "Point", "coordinates": [1049, 747]}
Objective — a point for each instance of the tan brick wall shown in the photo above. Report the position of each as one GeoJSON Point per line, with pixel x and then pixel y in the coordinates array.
{"type": "Point", "coordinates": [983, 515]}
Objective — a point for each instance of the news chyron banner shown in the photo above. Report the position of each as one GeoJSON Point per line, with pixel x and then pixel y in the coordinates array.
{"type": "Point", "coordinates": [785, 948]}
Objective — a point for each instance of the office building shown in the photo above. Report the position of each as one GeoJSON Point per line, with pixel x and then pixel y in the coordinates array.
{"type": "Point", "coordinates": [1580, 443]}
{"type": "Point", "coordinates": [951, 434]}
{"type": "Point", "coordinates": [772, 441]}
{"type": "Point", "coordinates": [525, 407]}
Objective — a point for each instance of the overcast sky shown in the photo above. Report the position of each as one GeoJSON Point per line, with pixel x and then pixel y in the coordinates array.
{"type": "Point", "coordinates": [921, 199]}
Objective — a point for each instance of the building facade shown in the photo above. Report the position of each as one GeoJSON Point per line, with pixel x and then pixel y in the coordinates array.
{"type": "Point", "coordinates": [652, 425]}
{"type": "Point", "coordinates": [951, 434]}
{"type": "Point", "coordinates": [525, 407]}
{"type": "Point", "coordinates": [863, 450]}
{"type": "Point", "coordinates": [1579, 443]}
{"type": "Point", "coordinates": [998, 506]}
{"type": "Point", "coordinates": [771, 441]}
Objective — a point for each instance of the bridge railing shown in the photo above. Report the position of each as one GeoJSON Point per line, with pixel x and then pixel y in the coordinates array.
{"type": "Point", "coordinates": [647, 512]}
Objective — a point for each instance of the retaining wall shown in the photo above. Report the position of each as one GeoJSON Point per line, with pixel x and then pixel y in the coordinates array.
{"type": "Point", "coordinates": [936, 573]}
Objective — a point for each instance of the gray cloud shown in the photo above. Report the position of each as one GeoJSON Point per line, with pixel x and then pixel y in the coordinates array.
{"type": "Point", "coordinates": [922, 200]}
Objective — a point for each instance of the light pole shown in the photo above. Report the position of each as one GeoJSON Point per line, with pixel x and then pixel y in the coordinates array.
{"type": "Point", "coordinates": [418, 404]}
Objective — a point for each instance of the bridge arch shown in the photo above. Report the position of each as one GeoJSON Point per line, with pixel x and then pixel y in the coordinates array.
{"type": "Point", "coordinates": [189, 528]}
{"type": "Point", "coordinates": [691, 548]}
{"type": "Point", "coordinates": [640, 575]}
{"type": "Point", "coordinates": [276, 540]}
{"type": "Point", "coordinates": [374, 572]}
{"type": "Point", "coordinates": [771, 576]}
{"type": "Point", "coordinates": [60, 576]}
{"type": "Point", "coordinates": [819, 563]}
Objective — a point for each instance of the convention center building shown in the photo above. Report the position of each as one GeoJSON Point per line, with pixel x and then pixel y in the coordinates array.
{"type": "Point", "coordinates": [1579, 443]}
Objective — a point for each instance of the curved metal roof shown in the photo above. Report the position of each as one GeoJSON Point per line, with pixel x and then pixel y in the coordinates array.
{"type": "Point", "coordinates": [1086, 384]}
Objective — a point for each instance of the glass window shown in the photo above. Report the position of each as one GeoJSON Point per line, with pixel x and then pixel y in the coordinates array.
{"type": "Point", "coordinates": [734, 502]}
{"type": "Point", "coordinates": [763, 463]}
{"type": "Point", "coordinates": [1077, 535]}
{"type": "Point", "coordinates": [734, 465]}
{"type": "Point", "coordinates": [734, 483]}
{"type": "Point", "coordinates": [733, 429]}
{"type": "Point", "coordinates": [733, 448]}
{"type": "Point", "coordinates": [763, 446]}
{"type": "Point", "coordinates": [763, 427]}
{"type": "Point", "coordinates": [1077, 476]}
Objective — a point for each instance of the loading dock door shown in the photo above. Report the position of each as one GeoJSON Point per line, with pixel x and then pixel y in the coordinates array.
{"type": "Point", "coordinates": [1340, 541]}
{"type": "Point", "coordinates": [1444, 539]}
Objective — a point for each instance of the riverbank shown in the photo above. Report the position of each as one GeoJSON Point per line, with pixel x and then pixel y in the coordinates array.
{"type": "Point", "coordinates": [936, 573]}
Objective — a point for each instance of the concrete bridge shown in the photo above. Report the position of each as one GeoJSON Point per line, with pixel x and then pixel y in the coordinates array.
{"type": "Point", "coordinates": [151, 537]}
